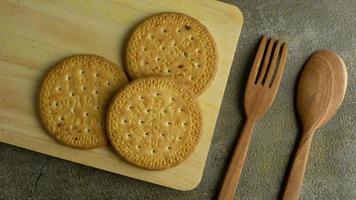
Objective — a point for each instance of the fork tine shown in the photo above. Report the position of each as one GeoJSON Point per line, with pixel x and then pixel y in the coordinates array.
{"type": "Point", "coordinates": [256, 63]}
{"type": "Point", "coordinates": [281, 66]}
{"type": "Point", "coordinates": [267, 57]}
{"type": "Point", "coordinates": [272, 68]}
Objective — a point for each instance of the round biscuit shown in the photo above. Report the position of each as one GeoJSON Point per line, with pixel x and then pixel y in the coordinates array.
{"type": "Point", "coordinates": [175, 45]}
{"type": "Point", "coordinates": [74, 96]}
{"type": "Point", "coordinates": [154, 123]}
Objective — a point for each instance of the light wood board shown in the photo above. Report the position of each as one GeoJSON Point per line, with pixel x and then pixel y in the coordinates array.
{"type": "Point", "coordinates": [34, 35]}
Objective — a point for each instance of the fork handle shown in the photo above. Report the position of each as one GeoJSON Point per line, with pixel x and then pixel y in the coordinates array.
{"type": "Point", "coordinates": [238, 158]}
{"type": "Point", "coordinates": [296, 174]}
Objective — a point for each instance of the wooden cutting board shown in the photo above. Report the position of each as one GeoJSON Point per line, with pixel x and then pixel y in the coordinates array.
{"type": "Point", "coordinates": [34, 35]}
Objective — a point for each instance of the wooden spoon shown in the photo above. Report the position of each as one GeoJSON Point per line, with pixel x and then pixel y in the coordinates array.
{"type": "Point", "coordinates": [321, 89]}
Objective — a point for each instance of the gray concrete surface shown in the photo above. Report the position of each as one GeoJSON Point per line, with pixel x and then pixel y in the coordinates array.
{"type": "Point", "coordinates": [307, 26]}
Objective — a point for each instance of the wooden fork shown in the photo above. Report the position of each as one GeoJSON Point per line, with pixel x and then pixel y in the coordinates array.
{"type": "Point", "coordinates": [262, 85]}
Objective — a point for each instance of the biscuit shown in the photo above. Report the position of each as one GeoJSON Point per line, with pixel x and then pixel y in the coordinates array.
{"type": "Point", "coordinates": [154, 123]}
{"type": "Point", "coordinates": [175, 45]}
{"type": "Point", "coordinates": [74, 96]}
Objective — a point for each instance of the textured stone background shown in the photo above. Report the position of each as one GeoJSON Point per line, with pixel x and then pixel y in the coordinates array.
{"type": "Point", "coordinates": [307, 26]}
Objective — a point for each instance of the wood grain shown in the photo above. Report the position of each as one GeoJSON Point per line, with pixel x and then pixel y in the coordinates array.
{"type": "Point", "coordinates": [35, 35]}
{"type": "Point", "coordinates": [262, 86]}
{"type": "Point", "coordinates": [321, 90]}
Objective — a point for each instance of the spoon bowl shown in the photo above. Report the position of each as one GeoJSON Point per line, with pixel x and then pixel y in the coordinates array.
{"type": "Point", "coordinates": [321, 89]}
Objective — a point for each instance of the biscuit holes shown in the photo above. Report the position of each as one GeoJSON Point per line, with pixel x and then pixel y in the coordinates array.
{"type": "Point", "coordinates": [108, 83]}
{"type": "Point", "coordinates": [169, 148]}
{"type": "Point", "coordinates": [97, 107]}
{"type": "Point", "coordinates": [62, 118]}
{"type": "Point", "coordinates": [147, 134]}
{"type": "Point", "coordinates": [180, 138]}
{"type": "Point", "coordinates": [172, 99]}
{"type": "Point", "coordinates": [55, 104]}
{"type": "Point", "coordinates": [180, 110]}
{"type": "Point", "coordinates": [129, 135]}
{"type": "Point", "coordinates": [88, 130]}
{"type": "Point", "coordinates": [169, 123]}
{"type": "Point", "coordinates": [141, 122]}
{"type": "Point", "coordinates": [163, 134]}
{"type": "Point", "coordinates": [130, 107]}
{"type": "Point", "coordinates": [164, 30]}
{"type": "Point", "coordinates": [153, 151]}
{"type": "Point", "coordinates": [138, 146]}
{"type": "Point", "coordinates": [86, 114]}
{"type": "Point", "coordinates": [96, 92]}
{"type": "Point", "coordinates": [83, 88]}
{"type": "Point", "coordinates": [68, 78]}
{"type": "Point", "coordinates": [146, 62]}
{"type": "Point", "coordinates": [178, 30]}
{"type": "Point", "coordinates": [82, 72]}
{"type": "Point", "coordinates": [72, 109]}
{"type": "Point", "coordinates": [165, 111]}
{"type": "Point", "coordinates": [187, 27]}
{"type": "Point", "coordinates": [151, 37]}
{"type": "Point", "coordinates": [184, 124]}
{"type": "Point", "coordinates": [169, 71]}
{"type": "Point", "coordinates": [124, 121]}
{"type": "Point", "coordinates": [191, 38]}
{"type": "Point", "coordinates": [185, 54]}
{"type": "Point", "coordinates": [59, 89]}
{"type": "Point", "coordinates": [180, 66]}
{"type": "Point", "coordinates": [198, 65]}
{"type": "Point", "coordinates": [163, 48]}
{"type": "Point", "coordinates": [96, 75]}
{"type": "Point", "coordinates": [141, 97]}
{"type": "Point", "coordinates": [157, 94]}
{"type": "Point", "coordinates": [148, 110]}
{"type": "Point", "coordinates": [75, 138]}
{"type": "Point", "coordinates": [144, 48]}
{"type": "Point", "coordinates": [72, 94]}
{"type": "Point", "coordinates": [101, 124]}
{"type": "Point", "coordinates": [158, 59]}
{"type": "Point", "coordinates": [198, 51]}
{"type": "Point", "coordinates": [174, 44]}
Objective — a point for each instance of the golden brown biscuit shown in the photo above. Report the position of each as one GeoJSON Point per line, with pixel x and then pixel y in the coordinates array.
{"type": "Point", "coordinates": [154, 123]}
{"type": "Point", "coordinates": [74, 96]}
{"type": "Point", "coordinates": [175, 45]}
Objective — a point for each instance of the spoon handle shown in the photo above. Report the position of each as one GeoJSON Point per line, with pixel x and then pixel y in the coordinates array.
{"type": "Point", "coordinates": [238, 158]}
{"type": "Point", "coordinates": [296, 175]}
